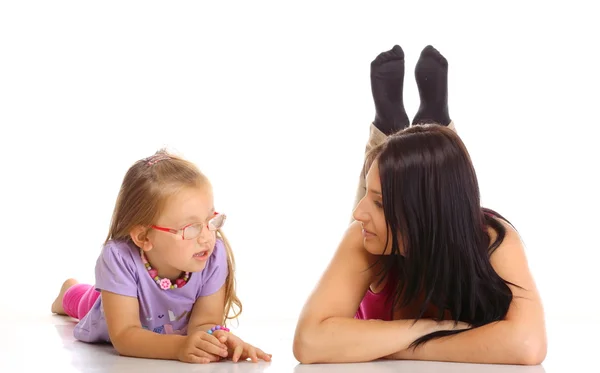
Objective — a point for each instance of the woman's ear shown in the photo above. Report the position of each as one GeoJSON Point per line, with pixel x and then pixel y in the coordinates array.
{"type": "Point", "coordinates": [139, 236]}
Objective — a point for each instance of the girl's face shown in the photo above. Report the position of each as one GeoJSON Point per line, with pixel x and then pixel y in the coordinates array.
{"type": "Point", "coordinates": [369, 212]}
{"type": "Point", "coordinates": [169, 252]}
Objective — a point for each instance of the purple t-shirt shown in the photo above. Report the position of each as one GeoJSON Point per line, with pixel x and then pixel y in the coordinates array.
{"type": "Point", "coordinates": [120, 270]}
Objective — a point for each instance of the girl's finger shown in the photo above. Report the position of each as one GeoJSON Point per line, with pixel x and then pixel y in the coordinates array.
{"type": "Point", "coordinates": [211, 349]}
{"type": "Point", "coordinates": [212, 339]}
{"type": "Point", "coordinates": [237, 352]}
{"type": "Point", "coordinates": [204, 356]}
{"type": "Point", "coordinates": [252, 354]}
{"type": "Point", "coordinates": [194, 359]}
{"type": "Point", "coordinates": [262, 355]}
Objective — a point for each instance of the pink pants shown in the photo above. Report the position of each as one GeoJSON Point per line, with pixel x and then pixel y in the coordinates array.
{"type": "Point", "coordinates": [79, 300]}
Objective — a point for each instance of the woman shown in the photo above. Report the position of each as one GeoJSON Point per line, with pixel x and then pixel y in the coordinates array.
{"type": "Point", "coordinates": [423, 272]}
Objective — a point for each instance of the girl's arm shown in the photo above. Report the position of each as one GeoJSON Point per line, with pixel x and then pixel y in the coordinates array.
{"type": "Point", "coordinates": [207, 312]}
{"type": "Point", "coordinates": [327, 331]}
{"type": "Point", "coordinates": [126, 332]}
{"type": "Point", "coordinates": [519, 339]}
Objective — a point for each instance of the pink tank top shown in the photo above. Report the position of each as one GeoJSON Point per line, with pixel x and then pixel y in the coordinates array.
{"type": "Point", "coordinates": [377, 306]}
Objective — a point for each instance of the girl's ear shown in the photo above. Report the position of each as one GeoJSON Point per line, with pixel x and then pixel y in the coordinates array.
{"type": "Point", "coordinates": [139, 236]}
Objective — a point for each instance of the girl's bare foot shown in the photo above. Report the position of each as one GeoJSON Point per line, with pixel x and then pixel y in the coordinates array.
{"type": "Point", "coordinates": [57, 306]}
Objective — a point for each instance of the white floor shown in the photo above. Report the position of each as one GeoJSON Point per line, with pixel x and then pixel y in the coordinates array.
{"type": "Point", "coordinates": [38, 342]}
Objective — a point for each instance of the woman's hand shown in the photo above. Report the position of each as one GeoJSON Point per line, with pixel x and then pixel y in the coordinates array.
{"type": "Point", "coordinates": [452, 325]}
{"type": "Point", "coordinates": [444, 325]}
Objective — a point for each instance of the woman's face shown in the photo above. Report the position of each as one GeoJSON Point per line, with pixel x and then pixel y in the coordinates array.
{"type": "Point", "coordinates": [369, 212]}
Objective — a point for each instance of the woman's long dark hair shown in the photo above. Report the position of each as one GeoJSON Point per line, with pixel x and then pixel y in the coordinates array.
{"type": "Point", "coordinates": [431, 198]}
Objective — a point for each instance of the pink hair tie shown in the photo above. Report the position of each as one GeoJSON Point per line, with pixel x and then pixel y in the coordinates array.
{"type": "Point", "coordinates": [156, 158]}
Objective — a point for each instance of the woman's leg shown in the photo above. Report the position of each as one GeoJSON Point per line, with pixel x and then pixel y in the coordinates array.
{"type": "Point", "coordinates": [431, 74]}
{"type": "Point", "coordinates": [387, 85]}
{"type": "Point", "coordinates": [387, 79]}
{"type": "Point", "coordinates": [376, 137]}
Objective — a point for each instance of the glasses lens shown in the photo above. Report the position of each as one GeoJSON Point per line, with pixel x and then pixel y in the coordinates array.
{"type": "Point", "coordinates": [192, 231]}
{"type": "Point", "coordinates": [217, 222]}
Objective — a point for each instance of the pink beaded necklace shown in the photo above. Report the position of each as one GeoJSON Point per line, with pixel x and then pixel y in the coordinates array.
{"type": "Point", "coordinates": [164, 283]}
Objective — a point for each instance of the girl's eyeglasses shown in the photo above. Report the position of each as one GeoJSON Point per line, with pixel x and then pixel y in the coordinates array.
{"type": "Point", "coordinates": [191, 231]}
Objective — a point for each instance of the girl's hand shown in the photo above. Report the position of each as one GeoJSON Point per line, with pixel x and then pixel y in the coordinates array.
{"type": "Point", "coordinates": [201, 347]}
{"type": "Point", "coordinates": [239, 349]}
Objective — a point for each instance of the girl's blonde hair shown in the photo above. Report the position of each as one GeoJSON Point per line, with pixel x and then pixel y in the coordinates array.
{"type": "Point", "coordinates": [146, 186]}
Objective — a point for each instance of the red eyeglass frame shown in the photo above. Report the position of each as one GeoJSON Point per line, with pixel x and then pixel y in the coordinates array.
{"type": "Point", "coordinates": [176, 231]}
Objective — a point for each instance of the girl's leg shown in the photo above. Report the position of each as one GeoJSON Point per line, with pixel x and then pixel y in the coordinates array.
{"type": "Point", "coordinates": [87, 300]}
{"type": "Point", "coordinates": [75, 300]}
{"type": "Point", "coordinates": [57, 305]}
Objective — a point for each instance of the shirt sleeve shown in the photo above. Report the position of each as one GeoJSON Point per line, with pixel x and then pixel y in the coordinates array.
{"type": "Point", "coordinates": [116, 271]}
{"type": "Point", "coordinates": [216, 270]}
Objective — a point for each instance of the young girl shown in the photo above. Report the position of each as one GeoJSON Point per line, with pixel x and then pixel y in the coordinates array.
{"type": "Point", "coordinates": [165, 276]}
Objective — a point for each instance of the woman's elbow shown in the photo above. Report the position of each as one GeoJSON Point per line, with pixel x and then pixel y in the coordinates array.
{"type": "Point", "coordinates": [301, 352]}
{"type": "Point", "coordinates": [534, 355]}
{"type": "Point", "coordinates": [534, 349]}
{"type": "Point", "coordinates": [303, 348]}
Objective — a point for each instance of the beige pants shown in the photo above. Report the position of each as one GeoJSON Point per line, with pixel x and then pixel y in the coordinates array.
{"type": "Point", "coordinates": [376, 137]}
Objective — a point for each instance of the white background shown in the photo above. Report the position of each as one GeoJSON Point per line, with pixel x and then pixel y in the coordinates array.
{"type": "Point", "coordinates": [273, 102]}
